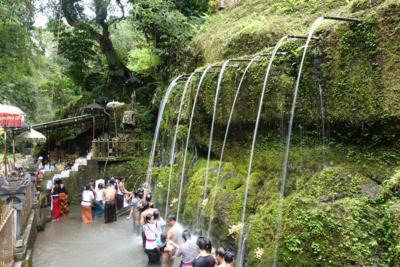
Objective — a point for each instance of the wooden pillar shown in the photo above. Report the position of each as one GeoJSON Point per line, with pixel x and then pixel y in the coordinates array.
{"type": "Point", "coordinates": [5, 161]}
{"type": "Point", "coordinates": [13, 150]}
{"type": "Point", "coordinates": [94, 127]}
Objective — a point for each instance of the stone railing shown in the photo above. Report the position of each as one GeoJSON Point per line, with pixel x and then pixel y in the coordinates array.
{"type": "Point", "coordinates": [7, 235]}
{"type": "Point", "coordinates": [27, 206]}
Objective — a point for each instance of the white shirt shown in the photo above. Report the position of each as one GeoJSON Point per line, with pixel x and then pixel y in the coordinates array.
{"type": "Point", "coordinates": [150, 231]}
{"type": "Point", "coordinates": [160, 225]}
{"type": "Point", "coordinates": [87, 198]}
{"type": "Point", "coordinates": [99, 194]}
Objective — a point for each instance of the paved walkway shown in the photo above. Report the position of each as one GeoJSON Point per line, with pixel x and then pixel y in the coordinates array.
{"type": "Point", "coordinates": [69, 243]}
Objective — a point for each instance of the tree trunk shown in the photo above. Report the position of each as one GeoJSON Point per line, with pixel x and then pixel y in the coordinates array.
{"type": "Point", "coordinates": [118, 72]}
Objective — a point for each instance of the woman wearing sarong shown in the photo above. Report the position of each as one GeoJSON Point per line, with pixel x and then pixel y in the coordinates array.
{"type": "Point", "coordinates": [55, 201]}
{"type": "Point", "coordinates": [63, 199]}
{"type": "Point", "coordinates": [86, 205]}
{"type": "Point", "coordinates": [151, 233]}
{"type": "Point", "coordinates": [98, 204]}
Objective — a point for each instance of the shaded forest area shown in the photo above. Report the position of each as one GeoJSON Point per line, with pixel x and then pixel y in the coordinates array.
{"type": "Point", "coordinates": [91, 49]}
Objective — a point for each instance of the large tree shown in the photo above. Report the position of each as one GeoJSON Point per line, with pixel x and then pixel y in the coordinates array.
{"type": "Point", "coordinates": [17, 54]}
{"type": "Point", "coordinates": [97, 28]}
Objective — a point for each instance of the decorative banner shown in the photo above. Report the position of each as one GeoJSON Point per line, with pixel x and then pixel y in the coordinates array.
{"type": "Point", "coordinates": [11, 116]}
{"type": "Point", "coordinates": [7, 120]}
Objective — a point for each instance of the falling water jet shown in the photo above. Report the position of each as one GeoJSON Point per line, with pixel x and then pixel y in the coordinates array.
{"type": "Point", "coordinates": [204, 74]}
{"type": "Point", "coordinates": [172, 155]}
{"type": "Point", "coordinates": [238, 89]}
{"type": "Point", "coordinates": [157, 130]}
{"type": "Point", "coordinates": [277, 47]}
{"type": "Point", "coordinates": [315, 25]}
{"type": "Point", "coordinates": [220, 77]}
{"type": "Point", "coordinates": [250, 166]}
{"type": "Point", "coordinates": [313, 28]}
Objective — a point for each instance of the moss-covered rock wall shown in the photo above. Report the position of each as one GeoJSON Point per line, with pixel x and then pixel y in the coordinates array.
{"type": "Point", "coordinates": [341, 199]}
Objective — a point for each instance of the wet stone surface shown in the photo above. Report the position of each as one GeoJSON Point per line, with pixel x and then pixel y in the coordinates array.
{"type": "Point", "coordinates": [69, 243]}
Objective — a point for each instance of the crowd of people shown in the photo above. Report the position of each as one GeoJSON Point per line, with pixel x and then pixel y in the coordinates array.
{"type": "Point", "coordinates": [164, 246]}
{"type": "Point", "coordinates": [164, 241]}
{"type": "Point", "coordinates": [103, 197]}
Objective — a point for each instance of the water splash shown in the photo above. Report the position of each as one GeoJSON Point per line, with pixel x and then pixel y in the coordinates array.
{"type": "Point", "coordinates": [173, 147]}
{"type": "Point", "coordinates": [238, 89]}
{"type": "Point", "coordinates": [250, 166]}
{"type": "Point", "coordinates": [313, 28]}
{"type": "Point", "coordinates": [157, 130]}
{"type": "Point", "coordinates": [204, 74]}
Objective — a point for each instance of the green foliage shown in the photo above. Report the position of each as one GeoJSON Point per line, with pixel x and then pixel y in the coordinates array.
{"type": "Point", "coordinates": [126, 36]}
{"type": "Point", "coordinates": [143, 61]}
{"type": "Point", "coordinates": [64, 93]}
{"type": "Point", "coordinates": [192, 7]}
{"type": "Point", "coordinates": [164, 26]}
{"type": "Point", "coordinates": [18, 55]}
{"type": "Point", "coordinates": [79, 49]}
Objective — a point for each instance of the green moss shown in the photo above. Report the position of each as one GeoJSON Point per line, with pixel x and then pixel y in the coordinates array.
{"type": "Point", "coordinates": [341, 199]}
{"type": "Point", "coordinates": [333, 215]}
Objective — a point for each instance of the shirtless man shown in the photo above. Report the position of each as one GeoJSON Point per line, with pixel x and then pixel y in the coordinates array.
{"type": "Point", "coordinates": [110, 212]}
{"type": "Point", "coordinates": [173, 234]}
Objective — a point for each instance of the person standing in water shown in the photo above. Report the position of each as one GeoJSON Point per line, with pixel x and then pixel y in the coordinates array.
{"type": "Point", "coordinates": [151, 233]}
{"type": "Point", "coordinates": [98, 204]}
{"type": "Point", "coordinates": [63, 199]}
{"type": "Point", "coordinates": [219, 257]}
{"type": "Point", "coordinates": [229, 258]}
{"type": "Point", "coordinates": [204, 259]}
{"type": "Point", "coordinates": [188, 250]}
{"type": "Point", "coordinates": [110, 211]}
{"type": "Point", "coordinates": [173, 234]}
{"type": "Point", "coordinates": [175, 231]}
{"type": "Point", "coordinates": [160, 223]}
{"type": "Point", "coordinates": [86, 205]}
{"type": "Point", "coordinates": [55, 200]}
{"type": "Point", "coordinates": [122, 193]}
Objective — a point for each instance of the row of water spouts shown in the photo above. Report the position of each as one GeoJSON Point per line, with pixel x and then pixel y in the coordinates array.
{"type": "Point", "coordinates": [223, 67]}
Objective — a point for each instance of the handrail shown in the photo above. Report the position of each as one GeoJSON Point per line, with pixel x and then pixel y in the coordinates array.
{"type": "Point", "coordinates": [118, 149]}
{"type": "Point", "coordinates": [8, 211]}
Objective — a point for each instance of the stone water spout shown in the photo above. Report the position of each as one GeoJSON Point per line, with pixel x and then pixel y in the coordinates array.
{"type": "Point", "coordinates": [202, 78]}
{"type": "Point", "coordinates": [313, 28]}
{"type": "Point", "coordinates": [164, 101]}
{"type": "Point", "coordinates": [173, 147]}
{"type": "Point", "coordinates": [206, 71]}
{"type": "Point", "coordinates": [343, 19]}
{"type": "Point", "coordinates": [238, 89]}
{"type": "Point", "coordinates": [274, 53]}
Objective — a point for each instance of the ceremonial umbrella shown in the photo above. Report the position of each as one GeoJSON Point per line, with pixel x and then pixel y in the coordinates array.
{"type": "Point", "coordinates": [10, 117]}
{"type": "Point", "coordinates": [113, 105]}
{"type": "Point", "coordinates": [32, 135]}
